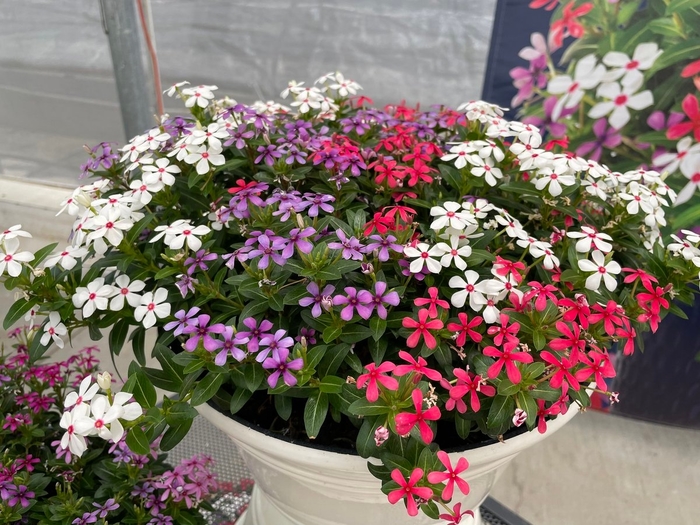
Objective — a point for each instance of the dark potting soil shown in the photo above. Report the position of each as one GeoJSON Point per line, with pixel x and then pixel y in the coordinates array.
{"type": "Point", "coordinates": [259, 413]}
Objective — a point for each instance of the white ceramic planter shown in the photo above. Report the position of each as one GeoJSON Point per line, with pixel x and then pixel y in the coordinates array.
{"type": "Point", "coordinates": [298, 485]}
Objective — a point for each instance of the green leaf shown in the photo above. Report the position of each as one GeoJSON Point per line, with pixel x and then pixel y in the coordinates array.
{"type": "Point", "coordinates": [17, 311]}
{"type": "Point", "coordinates": [239, 398]}
{"type": "Point", "coordinates": [665, 27]}
{"type": "Point", "coordinates": [138, 342]}
{"type": "Point", "coordinates": [137, 228]}
{"type": "Point", "coordinates": [506, 388]}
{"type": "Point", "coordinates": [315, 414]}
{"type": "Point", "coordinates": [686, 50]}
{"type": "Point", "coordinates": [500, 414]}
{"type": "Point", "coordinates": [166, 358]}
{"type": "Point", "coordinates": [43, 253]}
{"type": "Point", "coordinates": [332, 359]}
{"type": "Point", "coordinates": [463, 426]}
{"type": "Point", "coordinates": [117, 336]}
{"type": "Point", "coordinates": [676, 6]}
{"type": "Point", "coordinates": [276, 302]}
{"type": "Point", "coordinates": [255, 307]}
{"type": "Point", "coordinates": [283, 405]}
{"type": "Point", "coordinates": [365, 444]}
{"type": "Point", "coordinates": [687, 218]}
{"type": "Point", "coordinates": [378, 327]}
{"type": "Point", "coordinates": [175, 434]}
{"type": "Point", "coordinates": [36, 349]}
{"type": "Point", "coordinates": [314, 355]}
{"type": "Point", "coordinates": [180, 411]}
{"type": "Point", "coordinates": [362, 407]}
{"type": "Point", "coordinates": [377, 350]}
{"type": "Point", "coordinates": [331, 385]}
{"type": "Point", "coordinates": [231, 165]}
{"type": "Point", "coordinates": [331, 333]}
{"type": "Point", "coordinates": [254, 376]}
{"type": "Point", "coordinates": [529, 405]}
{"type": "Point", "coordinates": [137, 441]}
{"type": "Point", "coordinates": [166, 272]}
{"type": "Point", "coordinates": [141, 387]}
{"type": "Point", "coordinates": [354, 333]}
{"type": "Point", "coordinates": [546, 392]}
{"type": "Point", "coordinates": [295, 294]}
{"type": "Point", "coordinates": [539, 340]}
{"type": "Point", "coordinates": [452, 176]}
{"type": "Point", "coordinates": [206, 388]}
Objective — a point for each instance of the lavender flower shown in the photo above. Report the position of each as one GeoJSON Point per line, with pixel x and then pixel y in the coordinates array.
{"type": "Point", "coordinates": [269, 245]}
{"type": "Point", "coordinates": [354, 301]}
{"type": "Point", "coordinates": [278, 363]}
{"type": "Point", "coordinates": [351, 246]}
{"type": "Point", "coordinates": [184, 319]}
{"type": "Point", "coordinates": [254, 333]}
{"type": "Point", "coordinates": [316, 297]}
{"type": "Point", "coordinates": [241, 255]}
{"type": "Point", "coordinates": [307, 333]}
{"type": "Point", "coordinates": [274, 342]}
{"type": "Point", "coordinates": [268, 154]}
{"type": "Point", "coordinates": [105, 508]}
{"type": "Point", "coordinates": [185, 284]}
{"type": "Point", "coordinates": [199, 261]}
{"type": "Point", "coordinates": [228, 345]}
{"type": "Point", "coordinates": [355, 124]}
{"type": "Point", "coordinates": [13, 495]}
{"type": "Point", "coordinates": [296, 239]}
{"type": "Point", "coordinates": [319, 202]}
{"type": "Point", "coordinates": [85, 519]}
{"type": "Point", "coordinates": [383, 245]}
{"type": "Point", "coordinates": [294, 155]}
{"type": "Point", "coordinates": [379, 298]}
{"type": "Point", "coordinates": [201, 332]}
{"type": "Point", "coordinates": [238, 137]}
{"type": "Point", "coordinates": [606, 137]}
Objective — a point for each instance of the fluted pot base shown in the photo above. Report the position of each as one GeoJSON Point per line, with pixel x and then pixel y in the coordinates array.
{"type": "Point", "coordinates": [301, 485]}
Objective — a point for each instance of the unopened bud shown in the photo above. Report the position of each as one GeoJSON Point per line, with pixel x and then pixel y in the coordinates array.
{"type": "Point", "coordinates": [520, 417]}
{"type": "Point", "coordinates": [614, 397]}
{"type": "Point", "coordinates": [300, 221]}
{"type": "Point", "coordinates": [327, 303]}
{"type": "Point", "coordinates": [381, 435]}
{"type": "Point", "coordinates": [104, 380]}
{"type": "Point", "coordinates": [367, 268]}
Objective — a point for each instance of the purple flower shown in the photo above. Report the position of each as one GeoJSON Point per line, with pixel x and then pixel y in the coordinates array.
{"type": "Point", "coordinates": [254, 334]}
{"type": "Point", "coordinates": [379, 298]}
{"type": "Point", "coordinates": [60, 451]}
{"type": "Point", "coordinates": [354, 301]}
{"type": "Point", "coordinates": [657, 120]}
{"type": "Point", "coordinates": [297, 238]}
{"type": "Point", "coordinates": [201, 331]}
{"type": "Point", "coordinates": [354, 162]}
{"type": "Point", "coordinates": [268, 154]}
{"type": "Point", "coordinates": [295, 156]}
{"type": "Point", "coordinates": [383, 245]}
{"type": "Point", "coordinates": [319, 201]}
{"type": "Point", "coordinates": [269, 245]}
{"type": "Point", "coordinates": [15, 495]}
{"type": "Point", "coordinates": [278, 363]}
{"type": "Point", "coordinates": [239, 136]}
{"type": "Point", "coordinates": [606, 136]}
{"type": "Point", "coordinates": [241, 255]}
{"type": "Point", "coordinates": [355, 124]}
{"type": "Point", "coordinates": [308, 333]}
{"type": "Point", "coordinates": [107, 507]}
{"type": "Point", "coordinates": [316, 297]}
{"type": "Point", "coordinates": [351, 246]}
{"type": "Point", "coordinates": [228, 345]}
{"type": "Point", "coordinates": [525, 80]}
{"type": "Point", "coordinates": [161, 519]}
{"type": "Point", "coordinates": [184, 319]}
{"type": "Point", "coordinates": [556, 129]}
{"type": "Point", "coordinates": [327, 157]}
{"type": "Point", "coordinates": [88, 517]}
{"type": "Point", "coordinates": [199, 261]}
{"type": "Point", "coordinates": [185, 284]}
{"type": "Point", "coordinates": [405, 271]}
{"type": "Point", "coordinates": [274, 342]}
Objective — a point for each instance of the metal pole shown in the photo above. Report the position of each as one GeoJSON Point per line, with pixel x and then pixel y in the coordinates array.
{"type": "Point", "coordinates": [132, 67]}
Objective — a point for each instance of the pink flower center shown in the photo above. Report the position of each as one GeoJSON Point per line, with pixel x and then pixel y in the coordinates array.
{"type": "Point", "coordinates": [186, 232]}
{"type": "Point", "coordinates": [151, 306]}
{"type": "Point", "coordinates": [453, 252]}
{"type": "Point", "coordinates": [469, 288]}
{"type": "Point", "coordinates": [92, 296]}
{"type": "Point", "coordinates": [205, 155]}
{"type": "Point", "coordinates": [696, 178]}
{"type": "Point", "coordinates": [124, 291]}
{"type": "Point", "coordinates": [450, 214]}
{"type": "Point", "coordinates": [634, 64]}
{"type": "Point", "coordinates": [8, 257]}
{"type": "Point", "coordinates": [602, 269]}
{"type": "Point", "coordinates": [109, 225]}
{"type": "Point", "coordinates": [573, 87]}
{"type": "Point", "coordinates": [51, 331]}
{"type": "Point", "coordinates": [99, 423]}
{"type": "Point", "coordinates": [621, 100]}
{"type": "Point", "coordinates": [424, 255]}
{"type": "Point", "coordinates": [143, 187]}
{"type": "Point", "coordinates": [71, 429]}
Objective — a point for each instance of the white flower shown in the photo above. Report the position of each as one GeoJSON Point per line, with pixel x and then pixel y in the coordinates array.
{"type": "Point", "coordinates": [686, 156]}
{"type": "Point", "coordinates": [485, 168]}
{"type": "Point", "coordinates": [93, 297]}
{"type": "Point", "coordinates": [535, 159]}
{"type": "Point", "coordinates": [638, 197]}
{"type": "Point", "coordinates": [103, 415]}
{"type": "Point", "coordinates": [133, 149]}
{"type": "Point", "coordinates": [126, 291]}
{"type": "Point", "coordinates": [152, 307]}
{"type": "Point", "coordinates": [525, 151]}
{"type": "Point", "coordinates": [11, 259]}
{"type": "Point", "coordinates": [479, 208]}
{"type": "Point", "coordinates": [291, 87]}
{"type": "Point", "coordinates": [212, 135]}
{"type": "Point", "coordinates": [117, 202]}
{"type": "Point", "coordinates": [544, 249]}
{"type": "Point", "coordinates": [488, 148]}
{"type": "Point", "coordinates": [180, 150]}
{"type": "Point", "coordinates": [53, 329]}
{"type": "Point", "coordinates": [424, 255]}
{"type": "Point", "coordinates": [66, 259]}
{"type": "Point", "coordinates": [13, 232]}
{"type": "Point", "coordinates": [104, 380]}
{"type": "Point", "coordinates": [691, 236]}
{"type": "Point", "coordinates": [162, 171]}
{"type": "Point", "coordinates": [619, 99]}
{"type": "Point", "coordinates": [154, 140]}
{"type": "Point", "coordinates": [203, 157]}
{"type": "Point", "coordinates": [141, 191]}
{"type": "Point", "coordinates": [449, 214]}
{"type": "Point", "coordinates": [553, 180]}
{"type": "Point", "coordinates": [30, 317]}
{"type": "Point", "coordinates": [480, 110]}
{"type": "Point", "coordinates": [200, 95]}
{"type": "Point", "coordinates": [691, 171]}
{"type": "Point", "coordinates": [186, 233]}
{"type": "Point", "coordinates": [129, 410]}
{"type": "Point", "coordinates": [601, 271]}
{"type": "Point", "coordinates": [453, 253]}
{"type": "Point", "coordinates": [85, 393]}
{"type": "Point", "coordinates": [71, 440]}
{"type": "Point", "coordinates": [589, 238]}
{"type": "Point", "coordinates": [595, 188]}
{"type": "Point", "coordinates": [629, 69]}
{"type": "Point", "coordinates": [459, 154]}
{"type": "Point", "coordinates": [174, 88]}
{"type": "Point", "coordinates": [110, 227]}
{"type": "Point", "coordinates": [526, 133]}
{"type": "Point", "coordinates": [491, 313]}
{"type": "Point", "coordinates": [569, 161]}
{"type": "Point", "coordinates": [344, 86]}
{"type": "Point", "coordinates": [469, 288]}
{"type": "Point", "coordinates": [587, 75]}
{"type": "Point", "coordinates": [513, 227]}
{"type": "Point", "coordinates": [509, 285]}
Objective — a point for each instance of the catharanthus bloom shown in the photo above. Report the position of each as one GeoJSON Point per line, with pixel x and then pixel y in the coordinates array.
{"type": "Point", "coordinates": [601, 271]}
{"type": "Point", "coordinates": [378, 298]}
{"type": "Point", "coordinates": [273, 342]}
{"type": "Point", "coordinates": [620, 98]}
{"type": "Point", "coordinates": [543, 413]}
{"type": "Point", "coordinates": [418, 367]}
{"type": "Point", "coordinates": [465, 329]}
{"type": "Point", "coordinates": [505, 333]}
{"type": "Point", "coordinates": [53, 330]}
{"type": "Point", "coordinates": [606, 137]}
{"type": "Point", "coordinates": [280, 367]}
{"type": "Point", "coordinates": [568, 25]}
{"type": "Point", "coordinates": [409, 490]}
{"type": "Point", "coordinates": [422, 329]}
{"type": "Point", "coordinates": [692, 109]}
{"type": "Point", "coordinates": [467, 383]}
{"type": "Point", "coordinates": [374, 375]}
{"type": "Point", "coordinates": [153, 306]}
{"type": "Point", "coordinates": [316, 298]}
{"type": "Point", "coordinates": [425, 256]}
{"type": "Point", "coordinates": [433, 301]}
{"type": "Point", "coordinates": [201, 332]}
{"type": "Point", "coordinates": [562, 377]}
{"type": "Point", "coordinates": [572, 341]}
{"type": "Point", "coordinates": [610, 314]}
{"type": "Point", "coordinates": [450, 475]}
{"type": "Point", "coordinates": [587, 75]}
{"type": "Point", "coordinates": [405, 421]}
{"type": "Point", "coordinates": [354, 301]}
{"type": "Point", "coordinates": [456, 515]}
{"type": "Point", "coordinates": [598, 365]}
{"type": "Point", "coordinates": [507, 357]}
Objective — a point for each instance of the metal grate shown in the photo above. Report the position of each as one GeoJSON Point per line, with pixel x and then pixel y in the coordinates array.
{"type": "Point", "coordinates": [205, 438]}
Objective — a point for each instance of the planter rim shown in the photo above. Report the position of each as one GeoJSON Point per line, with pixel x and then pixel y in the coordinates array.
{"type": "Point", "coordinates": [252, 436]}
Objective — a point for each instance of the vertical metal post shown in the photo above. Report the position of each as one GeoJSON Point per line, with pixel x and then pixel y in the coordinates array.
{"type": "Point", "coordinates": [132, 67]}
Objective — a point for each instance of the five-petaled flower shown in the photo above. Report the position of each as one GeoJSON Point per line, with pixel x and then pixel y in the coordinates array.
{"type": "Point", "coordinates": [507, 357]}
{"type": "Point", "coordinates": [374, 375]}
{"type": "Point", "coordinates": [422, 328]}
{"type": "Point", "coordinates": [450, 475]}
{"type": "Point", "coordinates": [409, 490]}
{"type": "Point", "coordinates": [405, 421]}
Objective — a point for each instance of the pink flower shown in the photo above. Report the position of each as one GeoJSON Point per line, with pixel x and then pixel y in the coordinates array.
{"type": "Point", "coordinates": [506, 357]}
{"type": "Point", "coordinates": [433, 301]}
{"type": "Point", "coordinates": [542, 414]}
{"type": "Point", "coordinates": [405, 421]}
{"type": "Point", "coordinates": [504, 331]}
{"type": "Point", "coordinates": [562, 378]}
{"type": "Point", "coordinates": [374, 376]}
{"type": "Point", "coordinates": [408, 490]}
{"type": "Point", "coordinates": [572, 340]}
{"type": "Point", "coordinates": [451, 475]}
{"type": "Point", "coordinates": [422, 327]}
{"type": "Point", "coordinates": [467, 383]}
{"type": "Point", "coordinates": [456, 516]}
{"type": "Point", "coordinates": [465, 328]}
{"type": "Point", "coordinates": [598, 366]}
{"type": "Point", "coordinates": [418, 367]}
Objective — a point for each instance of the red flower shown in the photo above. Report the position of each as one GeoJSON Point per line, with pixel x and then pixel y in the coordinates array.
{"type": "Point", "coordinates": [542, 413]}
{"type": "Point", "coordinates": [362, 100]}
{"type": "Point", "coordinates": [456, 517]}
{"type": "Point", "coordinates": [650, 317]}
{"type": "Point", "coordinates": [635, 273]}
{"type": "Point", "coordinates": [419, 173]}
{"type": "Point", "coordinates": [691, 69]}
{"type": "Point", "coordinates": [423, 327]}
{"type": "Point", "coordinates": [467, 383]}
{"type": "Point", "coordinates": [562, 142]}
{"type": "Point", "coordinates": [507, 357]}
{"type": "Point", "coordinates": [568, 25]}
{"type": "Point", "coordinates": [610, 315]}
{"type": "Point", "coordinates": [418, 367]}
{"type": "Point", "coordinates": [504, 331]}
{"type": "Point", "coordinates": [654, 299]}
{"type": "Point", "coordinates": [562, 378]}
{"type": "Point", "coordinates": [409, 490]}
{"type": "Point", "coordinates": [405, 213]}
{"type": "Point", "coordinates": [576, 309]}
{"type": "Point", "coordinates": [382, 224]}
{"type": "Point", "coordinates": [465, 328]}
{"type": "Point", "coordinates": [598, 366]}
{"type": "Point", "coordinates": [572, 340]}
{"type": "Point", "coordinates": [389, 172]}
{"type": "Point", "coordinates": [451, 475]}
{"type": "Point", "coordinates": [541, 293]}
{"type": "Point", "coordinates": [547, 4]}
{"type": "Point", "coordinates": [243, 186]}
{"type": "Point", "coordinates": [405, 421]}
{"type": "Point", "coordinates": [374, 376]}
{"type": "Point", "coordinates": [690, 108]}
{"type": "Point", "coordinates": [434, 302]}
{"type": "Point", "coordinates": [504, 268]}
{"type": "Point", "coordinates": [627, 333]}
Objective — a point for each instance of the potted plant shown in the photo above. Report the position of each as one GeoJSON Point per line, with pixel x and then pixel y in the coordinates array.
{"type": "Point", "coordinates": [430, 289]}
{"type": "Point", "coordinates": [625, 93]}
{"type": "Point", "coordinates": [47, 475]}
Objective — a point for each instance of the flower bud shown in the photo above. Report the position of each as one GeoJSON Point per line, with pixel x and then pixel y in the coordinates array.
{"type": "Point", "coordinates": [327, 303]}
{"type": "Point", "coordinates": [381, 435]}
{"type": "Point", "coordinates": [104, 380]}
{"type": "Point", "coordinates": [520, 417]}
{"type": "Point", "coordinates": [614, 397]}
{"type": "Point", "coordinates": [367, 268]}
